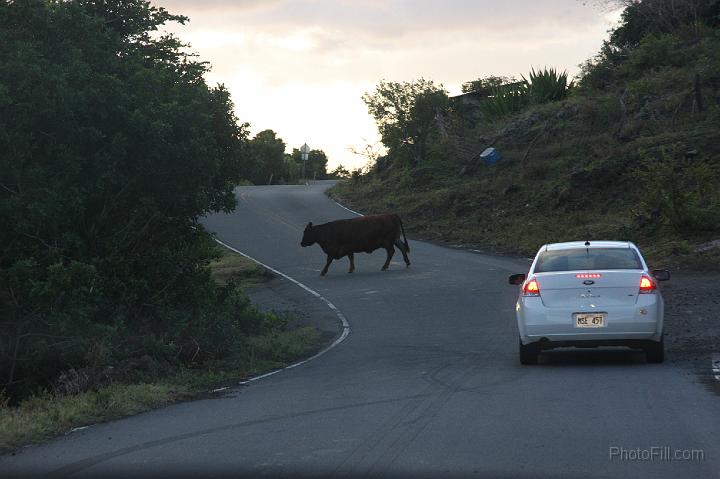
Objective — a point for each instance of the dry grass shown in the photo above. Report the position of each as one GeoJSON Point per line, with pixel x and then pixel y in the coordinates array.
{"type": "Point", "coordinates": [245, 271]}
{"type": "Point", "coordinates": [44, 416]}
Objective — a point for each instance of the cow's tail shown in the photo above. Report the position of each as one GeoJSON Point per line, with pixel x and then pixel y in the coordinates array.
{"type": "Point", "coordinates": [407, 246]}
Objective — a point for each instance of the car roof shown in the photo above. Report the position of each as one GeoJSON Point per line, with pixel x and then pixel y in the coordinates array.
{"type": "Point", "coordinates": [582, 244]}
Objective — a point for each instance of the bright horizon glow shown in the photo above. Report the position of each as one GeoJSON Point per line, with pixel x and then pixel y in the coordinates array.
{"type": "Point", "coordinates": [300, 67]}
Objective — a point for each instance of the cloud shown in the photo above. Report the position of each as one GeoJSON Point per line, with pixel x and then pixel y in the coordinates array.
{"type": "Point", "coordinates": [186, 7]}
{"type": "Point", "coordinates": [390, 18]}
{"type": "Point", "coordinates": [281, 56]}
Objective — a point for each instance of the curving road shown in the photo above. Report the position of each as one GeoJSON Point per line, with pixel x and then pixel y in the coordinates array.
{"type": "Point", "coordinates": [426, 384]}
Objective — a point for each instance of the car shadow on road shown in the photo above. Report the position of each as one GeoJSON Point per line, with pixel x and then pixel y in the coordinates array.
{"type": "Point", "coordinates": [574, 357]}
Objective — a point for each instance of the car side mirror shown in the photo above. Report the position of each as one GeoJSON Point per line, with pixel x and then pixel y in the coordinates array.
{"type": "Point", "coordinates": [661, 274]}
{"type": "Point", "coordinates": [517, 279]}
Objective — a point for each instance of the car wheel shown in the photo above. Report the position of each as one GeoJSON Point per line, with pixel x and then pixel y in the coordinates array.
{"type": "Point", "coordinates": [655, 351]}
{"type": "Point", "coordinates": [529, 353]}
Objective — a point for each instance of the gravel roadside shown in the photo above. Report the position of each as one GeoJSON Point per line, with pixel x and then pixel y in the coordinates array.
{"type": "Point", "coordinates": [692, 326]}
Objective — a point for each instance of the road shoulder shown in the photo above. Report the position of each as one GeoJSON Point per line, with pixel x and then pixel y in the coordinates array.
{"type": "Point", "coordinates": [692, 329]}
{"type": "Point", "coordinates": [279, 295]}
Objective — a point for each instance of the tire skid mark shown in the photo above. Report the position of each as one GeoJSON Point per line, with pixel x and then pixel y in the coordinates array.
{"type": "Point", "coordinates": [371, 457]}
{"type": "Point", "coordinates": [81, 465]}
{"type": "Point", "coordinates": [350, 465]}
{"type": "Point", "coordinates": [414, 428]}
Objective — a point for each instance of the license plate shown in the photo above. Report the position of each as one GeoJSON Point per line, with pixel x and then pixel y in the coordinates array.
{"type": "Point", "coordinates": [589, 320]}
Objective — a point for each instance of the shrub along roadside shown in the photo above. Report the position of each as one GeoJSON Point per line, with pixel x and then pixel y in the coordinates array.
{"type": "Point", "coordinates": [150, 383]}
{"type": "Point", "coordinates": [113, 148]}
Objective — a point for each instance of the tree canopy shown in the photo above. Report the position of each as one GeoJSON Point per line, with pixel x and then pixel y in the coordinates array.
{"type": "Point", "coordinates": [267, 153]}
{"type": "Point", "coordinates": [316, 166]}
{"type": "Point", "coordinates": [113, 146]}
{"type": "Point", "coordinates": [405, 114]}
{"type": "Point", "coordinates": [486, 85]}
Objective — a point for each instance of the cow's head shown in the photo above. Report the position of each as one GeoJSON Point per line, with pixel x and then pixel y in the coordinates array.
{"type": "Point", "coordinates": [308, 238]}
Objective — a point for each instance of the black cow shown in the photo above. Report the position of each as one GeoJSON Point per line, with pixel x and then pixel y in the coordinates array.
{"type": "Point", "coordinates": [363, 234]}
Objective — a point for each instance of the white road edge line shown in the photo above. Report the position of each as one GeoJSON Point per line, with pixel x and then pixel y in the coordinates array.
{"type": "Point", "coordinates": [346, 208]}
{"type": "Point", "coordinates": [341, 317]}
{"type": "Point", "coordinates": [716, 366]}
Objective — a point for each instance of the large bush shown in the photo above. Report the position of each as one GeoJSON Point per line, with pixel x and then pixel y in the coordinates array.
{"type": "Point", "coordinates": [646, 17]}
{"type": "Point", "coordinates": [113, 146]}
{"type": "Point", "coordinates": [655, 26]}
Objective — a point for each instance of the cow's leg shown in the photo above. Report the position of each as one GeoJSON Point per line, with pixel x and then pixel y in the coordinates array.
{"type": "Point", "coordinates": [327, 265]}
{"type": "Point", "coordinates": [401, 247]}
{"type": "Point", "coordinates": [390, 252]}
{"type": "Point", "coordinates": [351, 256]}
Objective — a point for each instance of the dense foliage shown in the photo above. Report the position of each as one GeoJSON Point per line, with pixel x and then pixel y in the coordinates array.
{"type": "Point", "coordinates": [315, 165]}
{"type": "Point", "coordinates": [113, 146]}
{"type": "Point", "coordinates": [267, 154]}
{"type": "Point", "coordinates": [486, 85]}
{"type": "Point", "coordinates": [646, 17]}
{"type": "Point", "coordinates": [405, 115]}
{"type": "Point", "coordinates": [643, 23]}
{"type": "Point", "coordinates": [269, 164]}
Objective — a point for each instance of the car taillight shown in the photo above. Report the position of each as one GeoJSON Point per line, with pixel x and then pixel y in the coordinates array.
{"type": "Point", "coordinates": [647, 285]}
{"type": "Point", "coordinates": [531, 288]}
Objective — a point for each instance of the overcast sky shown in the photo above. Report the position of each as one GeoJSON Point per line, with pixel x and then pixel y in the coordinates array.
{"type": "Point", "coordinates": [300, 67]}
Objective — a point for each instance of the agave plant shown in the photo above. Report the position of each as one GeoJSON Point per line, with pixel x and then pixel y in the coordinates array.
{"type": "Point", "coordinates": [547, 85]}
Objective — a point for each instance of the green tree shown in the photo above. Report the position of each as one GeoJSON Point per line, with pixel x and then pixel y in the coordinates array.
{"type": "Point", "coordinates": [316, 166]}
{"type": "Point", "coordinates": [113, 146]}
{"type": "Point", "coordinates": [486, 85]}
{"type": "Point", "coordinates": [339, 172]}
{"type": "Point", "coordinates": [268, 156]}
{"type": "Point", "coordinates": [294, 168]}
{"type": "Point", "coordinates": [405, 114]}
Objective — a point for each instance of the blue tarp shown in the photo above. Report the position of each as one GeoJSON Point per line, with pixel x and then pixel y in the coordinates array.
{"type": "Point", "coordinates": [490, 156]}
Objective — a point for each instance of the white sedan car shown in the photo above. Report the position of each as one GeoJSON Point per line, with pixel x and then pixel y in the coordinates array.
{"type": "Point", "coordinates": [590, 294]}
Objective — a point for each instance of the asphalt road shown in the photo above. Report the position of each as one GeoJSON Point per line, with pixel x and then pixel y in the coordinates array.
{"type": "Point", "coordinates": [426, 384]}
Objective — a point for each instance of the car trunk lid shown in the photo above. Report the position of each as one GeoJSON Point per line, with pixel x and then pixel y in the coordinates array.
{"type": "Point", "coordinates": [583, 289]}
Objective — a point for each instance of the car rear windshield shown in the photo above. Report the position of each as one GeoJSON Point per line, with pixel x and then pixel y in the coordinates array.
{"type": "Point", "coordinates": [582, 259]}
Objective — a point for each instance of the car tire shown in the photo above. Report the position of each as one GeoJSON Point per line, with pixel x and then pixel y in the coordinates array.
{"type": "Point", "coordinates": [529, 352]}
{"type": "Point", "coordinates": [655, 351]}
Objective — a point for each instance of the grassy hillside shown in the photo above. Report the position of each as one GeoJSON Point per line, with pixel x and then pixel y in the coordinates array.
{"type": "Point", "coordinates": [632, 154]}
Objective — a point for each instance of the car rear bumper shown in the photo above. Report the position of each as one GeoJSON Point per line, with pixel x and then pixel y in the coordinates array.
{"type": "Point", "coordinates": [546, 344]}
{"type": "Point", "coordinates": [642, 321]}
